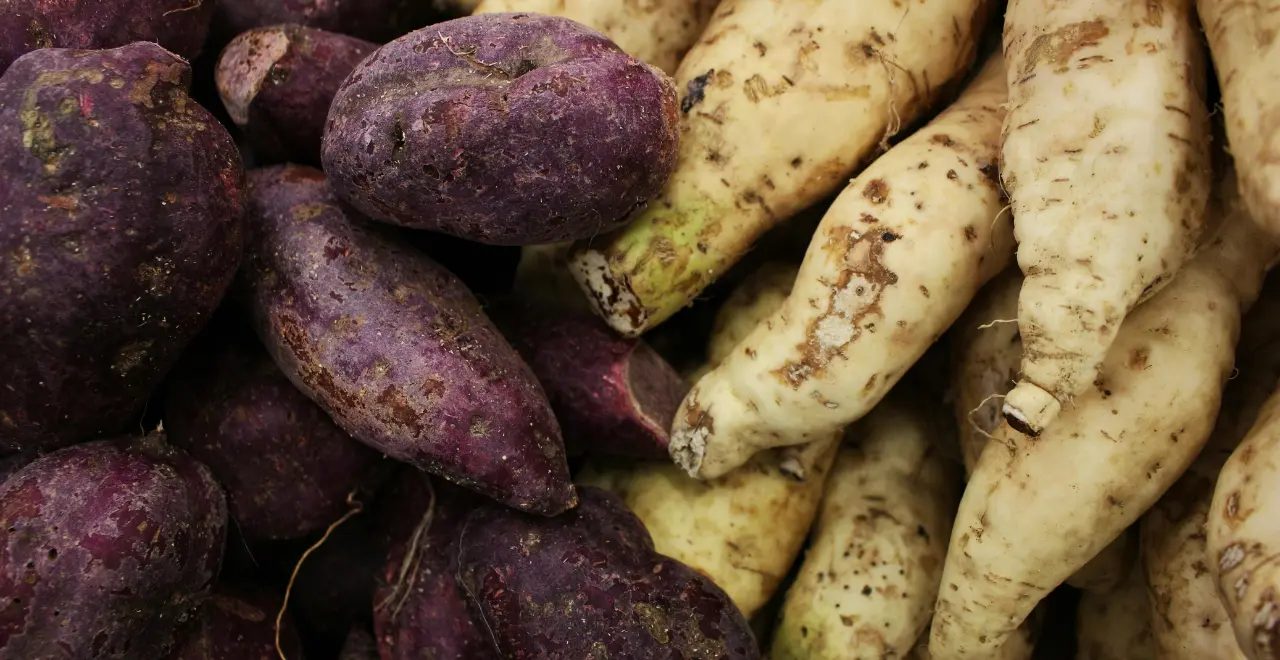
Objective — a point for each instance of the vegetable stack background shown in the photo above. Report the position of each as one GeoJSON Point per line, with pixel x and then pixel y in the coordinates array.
{"type": "Point", "coordinates": [689, 329]}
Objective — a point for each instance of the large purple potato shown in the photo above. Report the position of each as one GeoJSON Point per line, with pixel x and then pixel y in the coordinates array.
{"type": "Point", "coordinates": [419, 611]}
{"type": "Point", "coordinates": [26, 25]}
{"type": "Point", "coordinates": [277, 83]}
{"type": "Point", "coordinates": [121, 229]}
{"type": "Point", "coordinates": [375, 20]}
{"type": "Point", "coordinates": [503, 129]}
{"type": "Point", "coordinates": [239, 623]}
{"type": "Point", "coordinates": [108, 549]}
{"type": "Point", "coordinates": [286, 466]}
{"type": "Point", "coordinates": [588, 584]}
{"type": "Point", "coordinates": [395, 348]}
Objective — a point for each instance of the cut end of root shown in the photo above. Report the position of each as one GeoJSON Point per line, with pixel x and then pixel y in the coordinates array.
{"type": "Point", "coordinates": [688, 446]}
{"type": "Point", "coordinates": [611, 296]}
{"type": "Point", "coordinates": [1029, 409]}
{"type": "Point", "coordinates": [244, 67]}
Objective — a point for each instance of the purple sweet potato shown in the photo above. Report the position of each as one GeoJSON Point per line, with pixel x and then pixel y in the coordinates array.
{"type": "Point", "coordinates": [286, 466]}
{"type": "Point", "coordinates": [506, 129]}
{"type": "Point", "coordinates": [588, 584]}
{"type": "Point", "coordinates": [239, 623]}
{"type": "Point", "coordinates": [612, 395]}
{"type": "Point", "coordinates": [374, 20]}
{"type": "Point", "coordinates": [277, 83]}
{"type": "Point", "coordinates": [121, 229]}
{"type": "Point", "coordinates": [395, 348]}
{"type": "Point", "coordinates": [419, 611]}
{"type": "Point", "coordinates": [27, 25]}
{"type": "Point", "coordinates": [110, 547]}
{"type": "Point", "coordinates": [359, 646]}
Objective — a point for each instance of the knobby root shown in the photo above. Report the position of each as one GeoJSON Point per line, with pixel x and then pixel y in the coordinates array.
{"type": "Point", "coordinates": [986, 326]}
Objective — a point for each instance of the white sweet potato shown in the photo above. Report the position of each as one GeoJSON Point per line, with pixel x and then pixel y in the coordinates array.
{"type": "Point", "coordinates": [869, 579]}
{"type": "Point", "coordinates": [1040, 508]}
{"type": "Point", "coordinates": [1246, 54]}
{"type": "Point", "coordinates": [895, 260]}
{"type": "Point", "coordinates": [1105, 157]}
{"type": "Point", "coordinates": [1116, 624]}
{"type": "Point", "coordinates": [752, 302]}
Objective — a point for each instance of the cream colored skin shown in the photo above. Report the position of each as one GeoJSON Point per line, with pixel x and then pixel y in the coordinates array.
{"type": "Point", "coordinates": [782, 100]}
{"type": "Point", "coordinates": [1108, 568]}
{"type": "Point", "coordinates": [1116, 624]}
{"type": "Point", "coordinates": [985, 351]}
{"type": "Point", "coordinates": [869, 579]}
{"type": "Point", "coordinates": [744, 529]}
{"type": "Point", "coordinates": [1019, 647]}
{"type": "Point", "coordinates": [752, 302]}
{"type": "Point", "coordinates": [1039, 509]}
{"type": "Point", "coordinates": [1106, 161]}
{"type": "Point", "coordinates": [659, 32]}
{"type": "Point", "coordinates": [896, 259]}
{"type": "Point", "coordinates": [1246, 54]}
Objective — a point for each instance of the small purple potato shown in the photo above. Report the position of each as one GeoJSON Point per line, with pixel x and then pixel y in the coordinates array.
{"type": "Point", "coordinates": [110, 547]}
{"type": "Point", "coordinates": [359, 646]}
{"type": "Point", "coordinates": [588, 584]}
{"type": "Point", "coordinates": [374, 20]}
{"type": "Point", "coordinates": [395, 348]}
{"type": "Point", "coordinates": [277, 83]}
{"type": "Point", "coordinates": [27, 25]}
{"type": "Point", "coordinates": [506, 129]}
{"type": "Point", "coordinates": [239, 623]}
{"type": "Point", "coordinates": [612, 395]}
{"type": "Point", "coordinates": [419, 611]}
{"type": "Point", "coordinates": [121, 229]}
{"type": "Point", "coordinates": [286, 466]}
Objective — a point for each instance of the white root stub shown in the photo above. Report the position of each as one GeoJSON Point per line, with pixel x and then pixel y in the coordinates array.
{"type": "Point", "coordinates": [1029, 409]}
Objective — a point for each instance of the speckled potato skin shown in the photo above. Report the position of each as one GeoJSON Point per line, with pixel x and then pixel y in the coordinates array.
{"type": "Point", "coordinates": [611, 395]}
{"type": "Point", "coordinates": [277, 83]}
{"type": "Point", "coordinates": [238, 623]}
{"type": "Point", "coordinates": [121, 229]}
{"type": "Point", "coordinates": [375, 20]}
{"type": "Point", "coordinates": [395, 348]}
{"type": "Point", "coordinates": [26, 25]}
{"type": "Point", "coordinates": [286, 467]}
{"type": "Point", "coordinates": [588, 584]}
{"type": "Point", "coordinates": [506, 129]}
{"type": "Point", "coordinates": [112, 545]}
{"type": "Point", "coordinates": [420, 612]}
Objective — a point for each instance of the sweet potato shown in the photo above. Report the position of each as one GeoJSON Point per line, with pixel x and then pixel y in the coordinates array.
{"type": "Point", "coordinates": [611, 395]}
{"type": "Point", "coordinates": [505, 129]}
{"type": "Point", "coordinates": [286, 467]}
{"type": "Point", "coordinates": [419, 609]}
{"type": "Point", "coordinates": [659, 33]}
{"type": "Point", "coordinates": [395, 348]}
{"type": "Point", "coordinates": [1246, 54]}
{"type": "Point", "coordinates": [589, 584]}
{"type": "Point", "coordinates": [27, 25]}
{"type": "Point", "coordinates": [752, 302]}
{"type": "Point", "coordinates": [277, 83]}
{"type": "Point", "coordinates": [782, 100]}
{"type": "Point", "coordinates": [374, 20]}
{"type": "Point", "coordinates": [122, 228]}
{"type": "Point", "coordinates": [1037, 510]}
{"type": "Point", "coordinates": [239, 623]}
{"type": "Point", "coordinates": [894, 262]}
{"type": "Point", "coordinates": [1116, 625]}
{"type": "Point", "coordinates": [1105, 157]}
{"type": "Point", "coordinates": [111, 546]}
{"type": "Point", "coordinates": [986, 349]}
{"type": "Point", "coordinates": [868, 582]}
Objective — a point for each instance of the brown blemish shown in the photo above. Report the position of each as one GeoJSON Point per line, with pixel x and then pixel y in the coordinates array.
{"type": "Point", "coordinates": [876, 191]}
{"type": "Point", "coordinates": [1056, 48]}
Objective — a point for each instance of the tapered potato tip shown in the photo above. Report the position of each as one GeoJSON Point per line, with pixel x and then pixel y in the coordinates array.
{"type": "Point", "coordinates": [1029, 409]}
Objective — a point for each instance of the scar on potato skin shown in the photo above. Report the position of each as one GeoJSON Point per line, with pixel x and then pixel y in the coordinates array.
{"type": "Point", "coordinates": [1057, 47]}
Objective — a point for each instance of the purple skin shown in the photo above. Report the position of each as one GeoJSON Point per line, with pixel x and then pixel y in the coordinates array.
{"type": "Point", "coordinates": [506, 129]}
{"type": "Point", "coordinates": [286, 466]}
{"type": "Point", "coordinates": [26, 25]}
{"type": "Point", "coordinates": [122, 227]}
{"type": "Point", "coordinates": [239, 623]}
{"type": "Point", "coordinates": [277, 83]}
{"type": "Point", "coordinates": [395, 348]}
{"type": "Point", "coordinates": [612, 395]}
{"type": "Point", "coordinates": [419, 610]}
{"type": "Point", "coordinates": [111, 546]}
{"type": "Point", "coordinates": [374, 20]}
{"type": "Point", "coordinates": [588, 584]}
{"type": "Point", "coordinates": [359, 646]}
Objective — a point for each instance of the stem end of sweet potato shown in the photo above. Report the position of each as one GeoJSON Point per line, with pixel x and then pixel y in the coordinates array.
{"type": "Point", "coordinates": [610, 294]}
{"type": "Point", "coordinates": [1029, 409]}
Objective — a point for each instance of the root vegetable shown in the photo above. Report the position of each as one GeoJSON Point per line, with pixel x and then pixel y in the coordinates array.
{"type": "Point", "coordinates": [867, 302]}
{"type": "Point", "coordinates": [754, 301]}
{"type": "Point", "coordinates": [1041, 508]}
{"type": "Point", "coordinates": [782, 101]}
{"type": "Point", "coordinates": [1105, 158]}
